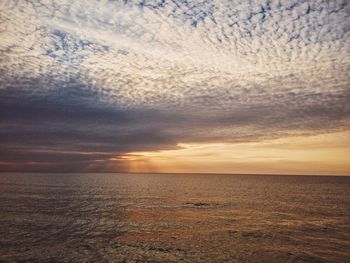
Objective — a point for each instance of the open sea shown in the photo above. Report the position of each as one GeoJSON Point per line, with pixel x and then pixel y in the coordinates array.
{"type": "Point", "coordinates": [173, 218]}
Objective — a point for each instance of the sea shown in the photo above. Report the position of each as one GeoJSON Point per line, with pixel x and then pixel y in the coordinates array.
{"type": "Point", "coordinates": [106, 217]}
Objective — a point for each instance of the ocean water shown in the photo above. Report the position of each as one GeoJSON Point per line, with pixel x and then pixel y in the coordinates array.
{"type": "Point", "coordinates": [173, 218]}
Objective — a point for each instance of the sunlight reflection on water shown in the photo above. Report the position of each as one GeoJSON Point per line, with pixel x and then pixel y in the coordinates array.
{"type": "Point", "coordinates": [172, 218]}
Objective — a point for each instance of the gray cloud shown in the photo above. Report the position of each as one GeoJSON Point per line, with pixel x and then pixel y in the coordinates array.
{"type": "Point", "coordinates": [86, 81]}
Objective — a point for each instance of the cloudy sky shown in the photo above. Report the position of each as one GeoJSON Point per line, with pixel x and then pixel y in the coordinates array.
{"type": "Point", "coordinates": [175, 86]}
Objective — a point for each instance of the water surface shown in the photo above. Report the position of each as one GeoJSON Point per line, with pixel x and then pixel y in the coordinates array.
{"type": "Point", "coordinates": [173, 218]}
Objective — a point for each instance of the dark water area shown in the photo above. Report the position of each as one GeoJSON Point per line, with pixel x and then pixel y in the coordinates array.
{"type": "Point", "coordinates": [173, 218]}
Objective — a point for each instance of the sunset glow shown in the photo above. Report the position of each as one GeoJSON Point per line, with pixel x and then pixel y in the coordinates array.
{"type": "Point", "coordinates": [175, 86]}
{"type": "Point", "coordinates": [321, 154]}
{"type": "Point", "coordinates": [175, 131]}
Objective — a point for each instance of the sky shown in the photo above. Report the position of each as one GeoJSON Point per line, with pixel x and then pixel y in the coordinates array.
{"type": "Point", "coordinates": [183, 86]}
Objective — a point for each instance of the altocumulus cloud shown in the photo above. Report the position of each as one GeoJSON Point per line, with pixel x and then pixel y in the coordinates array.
{"type": "Point", "coordinates": [86, 82]}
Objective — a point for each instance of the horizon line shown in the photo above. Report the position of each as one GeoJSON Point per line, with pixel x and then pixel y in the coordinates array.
{"type": "Point", "coordinates": [177, 173]}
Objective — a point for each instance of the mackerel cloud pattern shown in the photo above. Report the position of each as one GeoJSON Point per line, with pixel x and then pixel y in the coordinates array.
{"type": "Point", "coordinates": [89, 80]}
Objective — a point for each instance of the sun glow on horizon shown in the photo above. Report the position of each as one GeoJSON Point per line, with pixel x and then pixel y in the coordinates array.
{"type": "Point", "coordinates": [319, 154]}
{"type": "Point", "coordinates": [173, 86]}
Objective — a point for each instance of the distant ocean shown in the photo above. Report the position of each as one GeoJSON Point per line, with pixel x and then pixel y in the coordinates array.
{"type": "Point", "coordinates": [173, 218]}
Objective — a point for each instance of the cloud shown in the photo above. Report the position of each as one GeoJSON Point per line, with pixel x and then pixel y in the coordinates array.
{"type": "Point", "coordinates": [85, 82]}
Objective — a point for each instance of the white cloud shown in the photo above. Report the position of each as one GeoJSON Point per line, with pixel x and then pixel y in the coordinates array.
{"type": "Point", "coordinates": [217, 55]}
